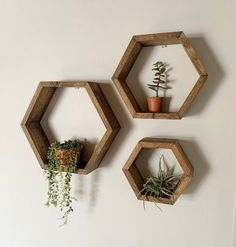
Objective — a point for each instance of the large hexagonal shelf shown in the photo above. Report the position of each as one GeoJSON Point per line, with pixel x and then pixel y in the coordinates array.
{"type": "Point", "coordinates": [40, 101]}
{"type": "Point", "coordinates": [134, 175]}
{"type": "Point", "coordinates": [130, 56]}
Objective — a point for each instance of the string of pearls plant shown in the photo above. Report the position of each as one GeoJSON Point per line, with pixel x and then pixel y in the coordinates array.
{"type": "Point", "coordinates": [63, 159]}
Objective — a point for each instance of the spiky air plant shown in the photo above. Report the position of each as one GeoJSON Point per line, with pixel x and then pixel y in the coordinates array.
{"type": "Point", "coordinates": [62, 157]}
{"type": "Point", "coordinates": [164, 184]}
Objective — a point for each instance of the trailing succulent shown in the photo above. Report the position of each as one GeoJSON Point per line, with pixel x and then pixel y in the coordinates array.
{"type": "Point", "coordinates": [163, 185]}
{"type": "Point", "coordinates": [159, 77]}
{"type": "Point", "coordinates": [58, 183]}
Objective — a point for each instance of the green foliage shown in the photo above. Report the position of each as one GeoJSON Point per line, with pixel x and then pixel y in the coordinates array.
{"type": "Point", "coordinates": [66, 145]}
{"type": "Point", "coordinates": [164, 184]}
{"type": "Point", "coordinates": [58, 183]}
{"type": "Point", "coordinates": [159, 77]}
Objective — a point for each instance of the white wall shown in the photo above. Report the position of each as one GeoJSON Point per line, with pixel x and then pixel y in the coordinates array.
{"type": "Point", "coordinates": [77, 40]}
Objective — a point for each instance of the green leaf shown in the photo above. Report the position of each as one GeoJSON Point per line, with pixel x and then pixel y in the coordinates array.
{"type": "Point", "coordinates": [163, 70]}
{"type": "Point", "coordinates": [163, 87]}
{"type": "Point", "coordinates": [150, 85]}
{"type": "Point", "coordinates": [154, 89]}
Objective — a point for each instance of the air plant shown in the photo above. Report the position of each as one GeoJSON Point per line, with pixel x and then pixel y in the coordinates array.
{"type": "Point", "coordinates": [164, 184]}
{"type": "Point", "coordinates": [159, 77]}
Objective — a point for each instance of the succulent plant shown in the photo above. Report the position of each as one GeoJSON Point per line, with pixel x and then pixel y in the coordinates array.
{"type": "Point", "coordinates": [159, 77]}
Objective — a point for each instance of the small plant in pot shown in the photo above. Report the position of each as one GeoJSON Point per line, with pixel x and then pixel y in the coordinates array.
{"type": "Point", "coordinates": [62, 157]}
{"type": "Point", "coordinates": [164, 184]}
{"type": "Point", "coordinates": [155, 103]}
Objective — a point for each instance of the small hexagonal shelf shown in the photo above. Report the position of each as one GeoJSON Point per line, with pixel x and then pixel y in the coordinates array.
{"type": "Point", "coordinates": [131, 54]}
{"type": "Point", "coordinates": [39, 103]}
{"type": "Point", "coordinates": [136, 180]}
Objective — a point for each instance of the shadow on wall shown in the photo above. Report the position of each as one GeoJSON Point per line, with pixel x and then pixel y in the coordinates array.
{"type": "Point", "coordinates": [88, 189]}
{"type": "Point", "coordinates": [94, 178]}
{"type": "Point", "coordinates": [80, 187]}
{"type": "Point", "coordinates": [123, 119]}
{"type": "Point", "coordinates": [93, 191]}
{"type": "Point", "coordinates": [199, 162]}
{"type": "Point", "coordinates": [215, 75]}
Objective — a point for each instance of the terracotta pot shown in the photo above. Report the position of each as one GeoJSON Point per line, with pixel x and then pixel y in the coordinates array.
{"type": "Point", "coordinates": [154, 104]}
{"type": "Point", "coordinates": [65, 156]}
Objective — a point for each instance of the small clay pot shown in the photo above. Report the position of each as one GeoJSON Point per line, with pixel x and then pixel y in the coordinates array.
{"type": "Point", "coordinates": [154, 104]}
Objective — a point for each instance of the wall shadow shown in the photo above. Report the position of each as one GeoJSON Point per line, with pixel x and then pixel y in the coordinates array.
{"type": "Point", "coordinates": [80, 187]}
{"type": "Point", "coordinates": [93, 190]}
{"type": "Point", "coordinates": [122, 117]}
{"type": "Point", "coordinates": [89, 148]}
{"type": "Point", "coordinates": [215, 75]}
{"type": "Point", "coordinates": [199, 162]}
{"type": "Point", "coordinates": [87, 189]}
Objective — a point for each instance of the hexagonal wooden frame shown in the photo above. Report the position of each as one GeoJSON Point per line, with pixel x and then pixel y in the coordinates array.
{"type": "Point", "coordinates": [127, 61]}
{"type": "Point", "coordinates": [136, 180]}
{"type": "Point", "coordinates": [39, 103]}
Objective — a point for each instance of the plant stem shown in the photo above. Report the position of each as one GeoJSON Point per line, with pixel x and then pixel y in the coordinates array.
{"type": "Point", "coordinates": [157, 90]}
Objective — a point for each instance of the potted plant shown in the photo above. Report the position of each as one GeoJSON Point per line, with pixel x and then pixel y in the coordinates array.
{"type": "Point", "coordinates": [62, 157]}
{"type": "Point", "coordinates": [164, 184]}
{"type": "Point", "coordinates": [155, 103]}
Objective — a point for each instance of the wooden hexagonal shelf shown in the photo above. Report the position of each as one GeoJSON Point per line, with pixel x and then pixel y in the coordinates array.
{"type": "Point", "coordinates": [39, 103]}
{"type": "Point", "coordinates": [135, 177]}
{"type": "Point", "coordinates": [127, 61]}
